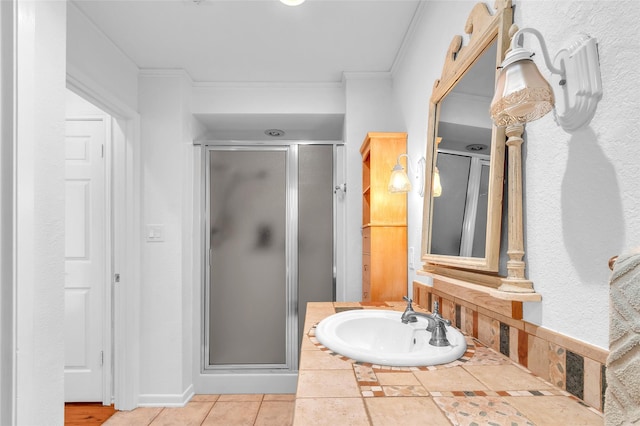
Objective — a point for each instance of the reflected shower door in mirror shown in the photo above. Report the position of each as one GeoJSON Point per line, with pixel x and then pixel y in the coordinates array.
{"type": "Point", "coordinates": [462, 225]}
{"type": "Point", "coordinates": [460, 214]}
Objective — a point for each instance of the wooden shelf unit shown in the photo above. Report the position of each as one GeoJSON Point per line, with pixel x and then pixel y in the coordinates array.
{"type": "Point", "coordinates": [384, 220]}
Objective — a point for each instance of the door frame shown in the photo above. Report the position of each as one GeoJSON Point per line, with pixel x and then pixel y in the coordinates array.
{"type": "Point", "coordinates": [124, 244]}
{"type": "Point", "coordinates": [106, 317]}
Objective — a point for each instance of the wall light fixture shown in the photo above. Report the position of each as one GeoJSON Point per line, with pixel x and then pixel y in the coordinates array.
{"type": "Point", "coordinates": [292, 2]}
{"type": "Point", "coordinates": [400, 182]}
{"type": "Point", "coordinates": [523, 94]}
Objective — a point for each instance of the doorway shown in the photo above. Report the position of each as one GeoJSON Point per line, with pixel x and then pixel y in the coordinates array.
{"type": "Point", "coordinates": [87, 326]}
{"type": "Point", "coordinates": [270, 249]}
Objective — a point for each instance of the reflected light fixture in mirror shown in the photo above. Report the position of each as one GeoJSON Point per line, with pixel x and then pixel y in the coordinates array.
{"type": "Point", "coordinates": [292, 2]}
{"type": "Point", "coordinates": [399, 180]}
{"type": "Point", "coordinates": [437, 186]}
{"type": "Point", "coordinates": [523, 94]}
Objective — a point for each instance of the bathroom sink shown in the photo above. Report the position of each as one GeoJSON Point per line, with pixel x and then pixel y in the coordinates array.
{"type": "Point", "coordinates": [379, 337]}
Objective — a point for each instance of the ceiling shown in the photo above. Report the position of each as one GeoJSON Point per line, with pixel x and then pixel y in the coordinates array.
{"type": "Point", "coordinates": [259, 41]}
{"type": "Point", "coordinates": [239, 41]}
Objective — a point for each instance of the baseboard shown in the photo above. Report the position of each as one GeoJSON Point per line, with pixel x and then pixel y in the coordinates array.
{"type": "Point", "coordinates": [166, 400]}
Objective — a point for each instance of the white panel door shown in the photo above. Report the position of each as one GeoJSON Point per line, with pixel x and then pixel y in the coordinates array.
{"type": "Point", "coordinates": [84, 259]}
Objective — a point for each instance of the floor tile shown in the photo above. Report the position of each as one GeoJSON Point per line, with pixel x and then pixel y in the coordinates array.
{"type": "Point", "coordinates": [449, 379]}
{"type": "Point", "coordinates": [592, 385]}
{"type": "Point", "coordinates": [486, 356]}
{"type": "Point", "coordinates": [237, 413]}
{"type": "Point", "coordinates": [538, 359]}
{"type": "Point", "coordinates": [327, 383]}
{"type": "Point", "coordinates": [323, 360]}
{"type": "Point", "coordinates": [405, 411]}
{"type": "Point", "coordinates": [484, 410]}
{"type": "Point", "coordinates": [250, 397]}
{"type": "Point", "coordinates": [330, 412]}
{"type": "Point", "coordinates": [192, 414]}
{"type": "Point", "coordinates": [307, 344]}
{"type": "Point", "coordinates": [365, 373]}
{"type": "Point", "coordinates": [279, 397]}
{"type": "Point", "coordinates": [555, 410]}
{"type": "Point", "coordinates": [138, 417]}
{"type": "Point", "coordinates": [205, 398]}
{"type": "Point", "coordinates": [275, 413]}
{"type": "Point", "coordinates": [496, 377]}
{"type": "Point", "coordinates": [404, 390]}
{"type": "Point", "coordinates": [389, 379]}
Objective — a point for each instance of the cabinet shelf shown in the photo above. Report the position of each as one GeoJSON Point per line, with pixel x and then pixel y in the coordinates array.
{"type": "Point", "coordinates": [384, 220]}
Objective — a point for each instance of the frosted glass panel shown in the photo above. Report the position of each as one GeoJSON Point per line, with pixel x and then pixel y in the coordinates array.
{"type": "Point", "coordinates": [480, 231]}
{"type": "Point", "coordinates": [315, 227]}
{"type": "Point", "coordinates": [448, 209]}
{"type": "Point", "coordinates": [247, 317]}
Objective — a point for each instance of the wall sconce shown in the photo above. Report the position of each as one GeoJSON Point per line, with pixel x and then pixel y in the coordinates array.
{"type": "Point", "coordinates": [399, 181]}
{"type": "Point", "coordinates": [523, 94]}
{"type": "Point", "coordinates": [292, 2]}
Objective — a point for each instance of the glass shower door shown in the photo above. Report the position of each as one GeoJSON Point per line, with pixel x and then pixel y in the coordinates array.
{"type": "Point", "coordinates": [248, 234]}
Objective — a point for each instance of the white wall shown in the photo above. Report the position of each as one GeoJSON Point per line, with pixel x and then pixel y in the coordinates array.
{"type": "Point", "coordinates": [581, 204]}
{"type": "Point", "coordinates": [165, 317]}
{"type": "Point", "coordinates": [370, 107]}
{"type": "Point", "coordinates": [92, 56]}
{"type": "Point", "coordinates": [39, 209]}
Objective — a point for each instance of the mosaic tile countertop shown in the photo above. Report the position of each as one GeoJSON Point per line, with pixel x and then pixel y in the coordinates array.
{"type": "Point", "coordinates": [482, 388]}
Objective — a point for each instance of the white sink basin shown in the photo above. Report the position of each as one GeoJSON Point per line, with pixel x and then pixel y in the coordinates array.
{"type": "Point", "coordinates": [379, 337]}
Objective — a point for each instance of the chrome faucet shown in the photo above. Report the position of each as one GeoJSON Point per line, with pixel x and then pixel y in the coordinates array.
{"type": "Point", "coordinates": [407, 315]}
{"type": "Point", "coordinates": [435, 322]}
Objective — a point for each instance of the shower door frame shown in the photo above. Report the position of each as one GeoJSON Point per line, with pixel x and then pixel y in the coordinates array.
{"type": "Point", "coordinates": [290, 147]}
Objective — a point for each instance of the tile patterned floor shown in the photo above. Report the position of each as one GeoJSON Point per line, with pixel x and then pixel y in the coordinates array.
{"type": "Point", "coordinates": [214, 410]}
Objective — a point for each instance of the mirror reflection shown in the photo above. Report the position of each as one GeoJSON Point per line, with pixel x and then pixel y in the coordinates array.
{"type": "Point", "coordinates": [463, 159]}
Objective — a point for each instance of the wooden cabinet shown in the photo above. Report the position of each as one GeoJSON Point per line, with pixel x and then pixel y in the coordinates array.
{"type": "Point", "coordinates": [384, 220]}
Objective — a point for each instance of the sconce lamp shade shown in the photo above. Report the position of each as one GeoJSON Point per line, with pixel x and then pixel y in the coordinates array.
{"type": "Point", "coordinates": [399, 181]}
{"type": "Point", "coordinates": [437, 187]}
{"type": "Point", "coordinates": [522, 93]}
{"type": "Point", "coordinates": [292, 2]}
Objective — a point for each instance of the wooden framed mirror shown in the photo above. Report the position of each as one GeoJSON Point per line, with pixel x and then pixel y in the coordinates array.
{"type": "Point", "coordinates": [461, 234]}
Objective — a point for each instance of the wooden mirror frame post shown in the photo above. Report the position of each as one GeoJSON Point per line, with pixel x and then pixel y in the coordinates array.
{"type": "Point", "coordinates": [515, 280]}
{"type": "Point", "coordinates": [483, 28]}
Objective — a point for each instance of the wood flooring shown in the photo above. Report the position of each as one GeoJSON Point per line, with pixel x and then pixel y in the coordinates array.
{"type": "Point", "coordinates": [86, 413]}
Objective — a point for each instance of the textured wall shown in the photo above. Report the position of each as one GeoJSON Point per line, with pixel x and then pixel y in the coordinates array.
{"type": "Point", "coordinates": [581, 190]}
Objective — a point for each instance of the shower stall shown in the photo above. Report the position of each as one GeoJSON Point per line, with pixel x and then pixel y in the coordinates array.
{"type": "Point", "coordinates": [270, 227]}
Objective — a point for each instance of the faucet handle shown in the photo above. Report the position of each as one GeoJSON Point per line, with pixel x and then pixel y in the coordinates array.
{"type": "Point", "coordinates": [406, 317]}
{"type": "Point", "coordinates": [436, 314]}
{"type": "Point", "coordinates": [409, 301]}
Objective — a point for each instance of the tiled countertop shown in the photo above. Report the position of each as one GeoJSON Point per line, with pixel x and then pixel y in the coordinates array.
{"type": "Point", "coordinates": [487, 389]}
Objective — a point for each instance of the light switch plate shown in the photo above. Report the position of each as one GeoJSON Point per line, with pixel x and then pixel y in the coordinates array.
{"type": "Point", "coordinates": [154, 233]}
